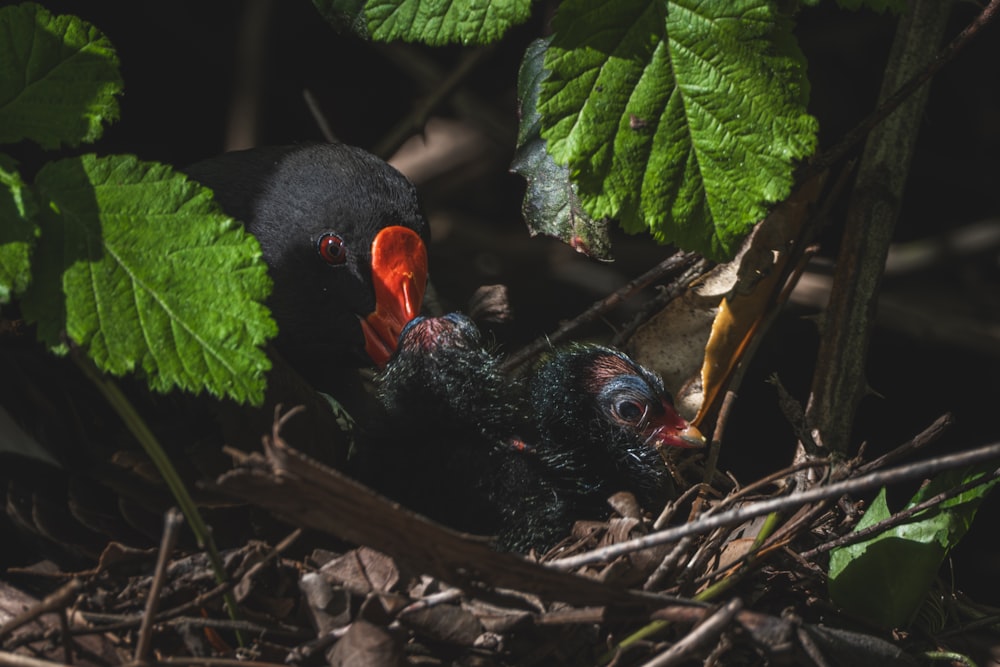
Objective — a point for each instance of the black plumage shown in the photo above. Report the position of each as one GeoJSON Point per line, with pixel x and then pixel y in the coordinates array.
{"type": "Point", "coordinates": [517, 460]}
{"type": "Point", "coordinates": [344, 240]}
{"type": "Point", "coordinates": [318, 210]}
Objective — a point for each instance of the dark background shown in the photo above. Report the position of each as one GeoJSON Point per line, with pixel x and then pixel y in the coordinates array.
{"type": "Point", "coordinates": [186, 64]}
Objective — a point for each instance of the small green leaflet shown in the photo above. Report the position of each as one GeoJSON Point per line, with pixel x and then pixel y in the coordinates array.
{"type": "Point", "coordinates": [137, 265]}
{"type": "Point", "coordinates": [683, 118]}
{"type": "Point", "coordinates": [17, 231]}
{"type": "Point", "coordinates": [433, 22]}
{"type": "Point", "coordinates": [58, 78]}
{"type": "Point", "coordinates": [886, 578]}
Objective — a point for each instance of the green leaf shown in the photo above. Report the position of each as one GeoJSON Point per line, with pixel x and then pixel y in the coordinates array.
{"type": "Point", "coordinates": [18, 231]}
{"type": "Point", "coordinates": [433, 22]}
{"type": "Point", "coordinates": [137, 265]}
{"type": "Point", "coordinates": [683, 118]}
{"type": "Point", "coordinates": [885, 579]}
{"type": "Point", "coordinates": [58, 78]}
{"type": "Point", "coordinates": [551, 205]}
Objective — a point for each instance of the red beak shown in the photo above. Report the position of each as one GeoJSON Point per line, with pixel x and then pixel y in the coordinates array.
{"type": "Point", "coordinates": [399, 273]}
{"type": "Point", "coordinates": [672, 430]}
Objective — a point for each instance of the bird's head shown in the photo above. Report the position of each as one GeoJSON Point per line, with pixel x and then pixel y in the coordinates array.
{"type": "Point", "coordinates": [444, 377]}
{"type": "Point", "coordinates": [608, 417]}
{"type": "Point", "coordinates": [345, 241]}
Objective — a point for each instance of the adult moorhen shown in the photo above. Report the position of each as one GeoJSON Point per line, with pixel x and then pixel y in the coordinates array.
{"type": "Point", "coordinates": [345, 240]}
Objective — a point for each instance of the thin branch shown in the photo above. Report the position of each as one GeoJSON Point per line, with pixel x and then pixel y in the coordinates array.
{"type": "Point", "coordinates": [899, 518]}
{"type": "Point", "coordinates": [667, 266]}
{"type": "Point", "coordinates": [741, 514]}
{"type": "Point", "coordinates": [708, 630]}
{"type": "Point", "coordinates": [60, 599]}
{"type": "Point", "coordinates": [903, 92]}
{"type": "Point", "coordinates": [171, 531]}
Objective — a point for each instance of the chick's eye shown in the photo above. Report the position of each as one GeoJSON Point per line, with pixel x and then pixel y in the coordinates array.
{"type": "Point", "coordinates": [630, 410]}
{"type": "Point", "coordinates": [331, 249]}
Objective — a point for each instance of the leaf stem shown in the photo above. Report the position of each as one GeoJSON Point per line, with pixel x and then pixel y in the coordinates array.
{"type": "Point", "coordinates": [138, 427]}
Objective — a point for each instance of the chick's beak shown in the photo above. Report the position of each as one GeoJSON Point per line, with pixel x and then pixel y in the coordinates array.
{"type": "Point", "coordinates": [399, 274]}
{"type": "Point", "coordinates": [672, 430]}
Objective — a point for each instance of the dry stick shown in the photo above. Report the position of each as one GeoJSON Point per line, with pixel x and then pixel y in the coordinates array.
{"type": "Point", "coordinates": [738, 515]}
{"type": "Point", "coordinates": [171, 531]}
{"type": "Point", "coordinates": [18, 660]}
{"type": "Point", "coordinates": [415, 121]}
{"type": "Point", "coordinates": [659, 301]}
{"type": "Point", "coordinates": [711, 463]}
{"type": "Point", "coordinates": [900, 517]}
{"type": "Point", "coordinates": [922, 439]}
{"type": "Point", "coordinates": [595, 311]}
{"type": "Point", "coordinates": [251, 54]}
{"type": "Point", "coordinates": [67, 641]}
{"type": "Point", "coordinates": [839, 376]}
{"type": "Point", "coordinates": [60, 599]}
{"type": "Point", "coordinates": [321, 121]}
{"type": "Point", "coordinates": [705, 631]}
{"type": "Point", "coordinates": [127, 622]}
{"type": "Point", "coordinates": [893, 101]}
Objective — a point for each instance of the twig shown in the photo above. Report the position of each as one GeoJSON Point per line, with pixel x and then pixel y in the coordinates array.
{"type": "Point", "coordinates": [669, 265]}
{"type": "Point", "coordinates": [171, 531]}
{"type": "Point", "coordinates": [741, 514]}
{"type": "Point", "coordinates": [660, 300]}
{"type": "Point", "coordinates": [922, 439]}
{"type": "Point", "coordinates": [60, 599]}
{"type": "Point", "coordinates": [18, 660]}
{"type": "Point", "coordinates": [709, 629]}
{"type": "Point", "coordinates": [715, 447]}
{"type": "Point", "coordinates": [141, 431]}
{"type": "Point", "coordinates": [839, 377]}
{"type": "Point", "coordinates": [898, 518]}
{"type": "Point", "coordinates": [903, 92]}
{"type": "Point", "coordinates": [417, 118]}
{"type": "Point", "coordinates": [321, 121]}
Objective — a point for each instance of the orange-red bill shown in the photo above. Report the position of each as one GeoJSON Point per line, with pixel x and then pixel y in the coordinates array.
{"type": "Point", "coordinates": [672, 430]}
{"type": "Point", "coordinates": [399, 273]}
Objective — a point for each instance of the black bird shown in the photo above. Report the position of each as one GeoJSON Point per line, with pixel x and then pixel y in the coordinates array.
{"type": "Point", "coordinates": [481, 452]}
{"type": "Point", "coordinates": [345, 242]}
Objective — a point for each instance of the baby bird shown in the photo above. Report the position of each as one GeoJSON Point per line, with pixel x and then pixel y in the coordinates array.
{"type": "Point", "coordinates": [484, 453]}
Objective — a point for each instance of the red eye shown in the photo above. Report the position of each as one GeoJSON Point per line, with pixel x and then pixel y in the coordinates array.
{"type": "Point", "coordinates": [332, 249]}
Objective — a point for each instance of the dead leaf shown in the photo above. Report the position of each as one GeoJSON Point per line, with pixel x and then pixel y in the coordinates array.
{"type": "Point", "coordinates": [366, 644]}
{"type": "Point", "coordinates": [444, 623]}
{"type": "Point", "coordinates": [362, 571]}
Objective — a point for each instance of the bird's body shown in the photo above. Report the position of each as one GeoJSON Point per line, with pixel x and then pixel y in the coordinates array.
{"type": "Point", "coordinates": [520, 461]}
{"type": "Point", "coordinates": [448, 416]}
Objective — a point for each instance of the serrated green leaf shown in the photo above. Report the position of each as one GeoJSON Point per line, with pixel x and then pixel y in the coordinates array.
{"type": "Point", "coordinates": [683, 118]}
{"type": "Point", "coordinates": [58, 78]}
{"type": "Point", "coordinates": [551, 205]}
{"type": "Point", "coordinates": [885, 579]}
{"type": "Point", "coordinates": [433, 22]}
{"type": "Point", "coordinates": [138, 266]}
{"type": "Point", "coordinates": [18, 231]}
